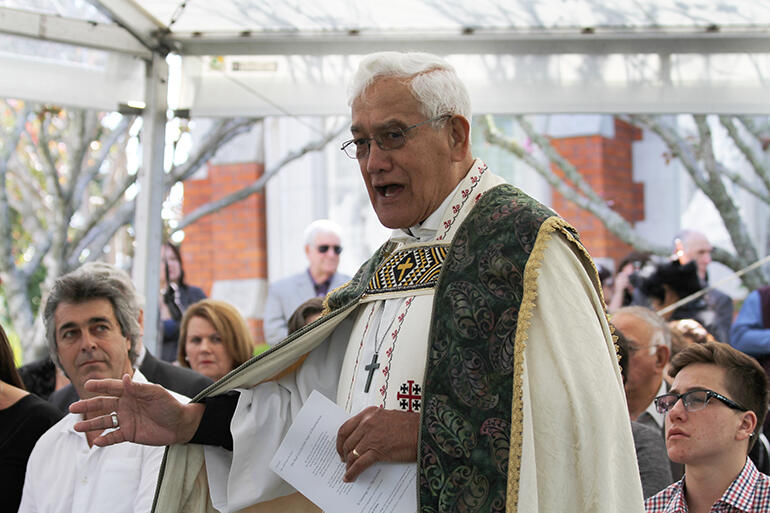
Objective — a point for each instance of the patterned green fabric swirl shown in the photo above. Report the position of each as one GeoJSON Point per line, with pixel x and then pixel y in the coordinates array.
{"type": "Point", "coordinates": [465, 429]}
{"type": "Point", "coordinates": [468, 386]}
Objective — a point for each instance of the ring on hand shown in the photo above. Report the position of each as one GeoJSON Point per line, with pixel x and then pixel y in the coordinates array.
{"type": "Point", "coordinates": [114, 416]}
{"type": "Point", "coordinates": [355, 453]}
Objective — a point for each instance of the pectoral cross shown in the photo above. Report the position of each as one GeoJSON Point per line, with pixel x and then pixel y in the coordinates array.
{"type": "Point", "coordinates": [373, 366]}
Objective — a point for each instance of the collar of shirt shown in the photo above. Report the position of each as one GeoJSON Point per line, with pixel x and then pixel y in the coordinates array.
{"type": "Point", "coordinates": [739, 496]}
{"type": "Point", "coordinates": [659, 418]}
{"type": "Point", "coordinates": [740, 493]}
{"type": "Point", "coordinates": [66, 425]}
{"type": "Point", "coordinates": [140, 357]}
{"type": "Point", "coordinates": [321, 289]}
{"type": "Point", "coordinates": [426, 230]}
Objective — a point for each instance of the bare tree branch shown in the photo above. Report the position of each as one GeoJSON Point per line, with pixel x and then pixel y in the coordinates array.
{"type": "Point", "coordinates": [97, 239]}
{"type": "Point", "coordinates": [222, 132]}
{"type": "Point", "coordinates": [6, 233]}
{"type": "Point", "coordinates": [748, 152]}
{"type": "Point", "coordinates": [723, 202]}
{"type": "Point", "coordinates": [570, 171]}
{"type": "Point", "coordinates": [97, 216]}
{"type": "Point", "coordinates": [259, 184]}
{"type": "Point", "coordinates": [677, 145]}
{"type": "Point", "coordinates": [614, 221]}
{"type": "Point", "coordinates": [106, 146]}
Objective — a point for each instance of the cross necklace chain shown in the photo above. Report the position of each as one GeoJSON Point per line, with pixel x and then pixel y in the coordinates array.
{"type": "Point", "coordinates": [373, 365]}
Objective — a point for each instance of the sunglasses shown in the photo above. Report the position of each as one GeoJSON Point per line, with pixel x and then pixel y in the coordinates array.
{"type": "Point", "coordinates": [323, 248]}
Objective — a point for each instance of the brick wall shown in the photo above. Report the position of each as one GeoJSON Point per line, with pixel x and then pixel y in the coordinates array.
{"type": "Point", "coordinates": [607, 165]}
{"type": "Point", "coordinates": [230, 244]}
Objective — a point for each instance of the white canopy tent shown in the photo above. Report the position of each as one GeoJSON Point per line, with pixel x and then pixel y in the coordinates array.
{"type": "Point", "coordinates": [273, 58]}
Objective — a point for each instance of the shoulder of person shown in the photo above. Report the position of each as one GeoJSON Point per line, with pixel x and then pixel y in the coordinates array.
{"type": "Point", "coordinates": [39, 414]}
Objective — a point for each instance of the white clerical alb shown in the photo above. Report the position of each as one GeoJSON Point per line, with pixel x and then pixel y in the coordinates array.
{"type": "Point", "coordinates": [570, 378]}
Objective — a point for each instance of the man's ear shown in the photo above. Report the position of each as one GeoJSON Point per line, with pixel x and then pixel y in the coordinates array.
{"type": "Point", "coordinates": [140, 320]}
{"type": "Point", "coordinates": [459, 138]}
{"type": "Point", "coordinates": [747, 426]}
{"type": "Point", "coordinates": [662, 355]}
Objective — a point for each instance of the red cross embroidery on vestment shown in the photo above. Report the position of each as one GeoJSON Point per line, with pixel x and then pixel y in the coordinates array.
{"type": "Point", "coordinates": [409, 396]}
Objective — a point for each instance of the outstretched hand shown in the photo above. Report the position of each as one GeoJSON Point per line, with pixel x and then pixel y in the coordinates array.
{"type": "Point", "coordinates": [376, 435]}
{"type": "Point", "coordinates": [147, 413]}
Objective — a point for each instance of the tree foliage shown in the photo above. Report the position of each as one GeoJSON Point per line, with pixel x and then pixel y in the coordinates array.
{"type": "Point", "coordinates": [65, 192]}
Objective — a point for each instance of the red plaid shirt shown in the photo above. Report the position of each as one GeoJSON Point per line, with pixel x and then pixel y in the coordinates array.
{"type": "Point", "coordinates": [749, 493]}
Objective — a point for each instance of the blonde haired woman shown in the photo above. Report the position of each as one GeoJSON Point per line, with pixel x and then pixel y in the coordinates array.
{"type": "Point", "coordinates": [214, 338]}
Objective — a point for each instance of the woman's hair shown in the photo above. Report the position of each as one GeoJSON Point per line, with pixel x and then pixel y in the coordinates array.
{"type": "Point", "coordinates": [8, 372]}
{"type": "Point", "coordinates": [299, 318]}
{"type": "Point", "coordinates": [229, 325]}
{"type": "Point", "coordinates": [173, 247]}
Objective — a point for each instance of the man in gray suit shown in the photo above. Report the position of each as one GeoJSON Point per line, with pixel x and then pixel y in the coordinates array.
{"type": "Point", "coordinates": [323, 247]}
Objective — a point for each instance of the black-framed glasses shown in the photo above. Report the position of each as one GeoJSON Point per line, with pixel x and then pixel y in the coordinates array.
{"type": "Point", "coordinates": [389, 139]}
{"type": "Point", "coordinates": [323, 248]}
{"type": "Point", "coordinates": [693, 400]}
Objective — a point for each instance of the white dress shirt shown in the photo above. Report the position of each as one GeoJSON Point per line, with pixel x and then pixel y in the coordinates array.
{"type": "Point", "coordinates": [65, 475]}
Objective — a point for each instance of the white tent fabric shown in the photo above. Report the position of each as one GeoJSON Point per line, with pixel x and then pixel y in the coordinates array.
{"type": "Point", "coordinates": [265, 57]}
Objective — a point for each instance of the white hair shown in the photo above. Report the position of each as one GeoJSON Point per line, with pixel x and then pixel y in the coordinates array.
{"type": "Point", "coordinates": [321, 226]}
{"type": "Point", "coordinates": [432, 80]}
{"type": "Point", "coordinates": [661, 333]}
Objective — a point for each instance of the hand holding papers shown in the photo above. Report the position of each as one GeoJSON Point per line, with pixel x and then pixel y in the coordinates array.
{"type": "Point", "coordinates": [308, 460]}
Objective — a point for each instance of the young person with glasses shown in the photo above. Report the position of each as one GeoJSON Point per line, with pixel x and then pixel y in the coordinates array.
{"type": "Point", "coordinates": [714, 413]}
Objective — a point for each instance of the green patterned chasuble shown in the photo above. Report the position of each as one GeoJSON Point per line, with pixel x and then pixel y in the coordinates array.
{"type": "Point", "coordinates": [469, 386]}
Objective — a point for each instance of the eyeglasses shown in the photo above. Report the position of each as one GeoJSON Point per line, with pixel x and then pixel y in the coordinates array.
{"type": "Point", "coordinates": [390, 139]}
{"type": "Point", "coordinates": [323, 248]}
{"type": "Point", "coordinates": [693, 400]}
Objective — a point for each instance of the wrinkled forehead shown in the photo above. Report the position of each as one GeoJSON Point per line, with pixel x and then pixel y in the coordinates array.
{"type": "Point", "coordinates": [383, 99]}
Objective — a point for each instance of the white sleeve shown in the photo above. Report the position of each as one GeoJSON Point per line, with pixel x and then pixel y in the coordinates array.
{"type": "Point", "coordinates": [577, 451]}
{"type": "Point", "coordinates": [264, 413]}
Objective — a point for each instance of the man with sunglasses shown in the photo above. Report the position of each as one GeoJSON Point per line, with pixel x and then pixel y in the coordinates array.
{"type": "Point", "coordinates": [322, 247]}
{"type": "Point", "coordinates": [714, 414]}
{"type": "Point", "coordinates": [473, 343]}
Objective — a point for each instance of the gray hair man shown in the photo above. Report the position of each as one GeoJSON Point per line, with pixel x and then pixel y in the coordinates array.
{"type": "Point", "coordinates": [692, 245]}
{"type": "Point", "coordinates": [323, 245]}
{"type": "Point", "coordinates": [649, 349]}
{"type": "Point", "coordinates": [473, 343]}
{"type": "Point", "coordinates": [129, 306]}
{"type": "Point", "coordinates": [93, 327]}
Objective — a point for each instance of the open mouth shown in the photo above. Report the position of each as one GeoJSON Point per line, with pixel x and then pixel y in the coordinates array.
{"type": "Point", "coordinates": [388, 190]}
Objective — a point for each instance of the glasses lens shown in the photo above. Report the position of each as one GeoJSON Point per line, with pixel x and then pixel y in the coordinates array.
{"type": "Point", "coordinates": [325, 247]}
{"type": "Point", "coordinates": [390, 139]}
{"type": "Point", "coordinates": [695, 400]}
{"type": "Point", "coordinates": [353, 150]}
{"type": "Point", "coordinates": [665, 402]}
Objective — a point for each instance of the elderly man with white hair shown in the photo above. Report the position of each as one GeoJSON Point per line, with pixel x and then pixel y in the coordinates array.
{"type": "Point", "coordinates": [474, 342]}
{"type": "Point", "coordinates": [322, 247]}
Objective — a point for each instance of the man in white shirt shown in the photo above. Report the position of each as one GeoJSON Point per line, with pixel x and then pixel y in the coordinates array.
{"type": "Point", "coordinates": [474, 342]}
{"type": "Point", "coordinates": [93, 323]}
